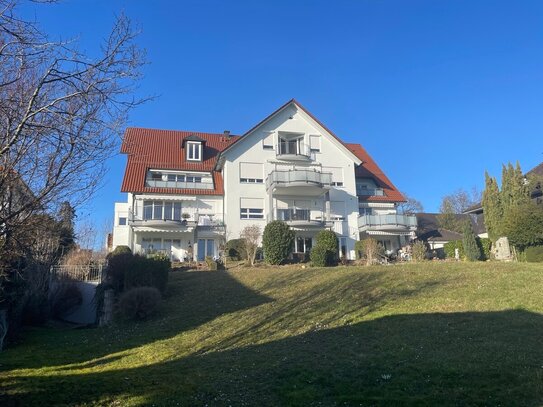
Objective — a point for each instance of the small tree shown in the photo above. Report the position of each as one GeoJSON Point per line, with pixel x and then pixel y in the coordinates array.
{"type": "Point", "coordinates": [277, 241]}
{"type": "Point", "coordinates": [251, 236]}
{"type": "Point", "coordinates": [469, 241]}
{"type": "Point", "coordinates": [492, 207]}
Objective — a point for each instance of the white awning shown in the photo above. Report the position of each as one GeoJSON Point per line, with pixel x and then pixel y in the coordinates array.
{"type": "Point", "coordinates": [167, 197]}
{"type": "Point", "coordinates": [381, 233]}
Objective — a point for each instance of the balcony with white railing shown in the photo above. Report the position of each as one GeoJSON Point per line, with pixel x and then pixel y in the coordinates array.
{"type": "Point", "coordinates": [300, 181]}
{"type": "Point", "coordinates": [390, 222]}
{"type": "Point", "coordinates": [293, 150]}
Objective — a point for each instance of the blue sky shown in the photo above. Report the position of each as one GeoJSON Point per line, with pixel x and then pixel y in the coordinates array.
{"type": "Point", "coordinates": [437, 91]}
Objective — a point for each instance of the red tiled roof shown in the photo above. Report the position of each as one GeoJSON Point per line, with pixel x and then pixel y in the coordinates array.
{"type": "Point", "coordinates": [370, 169]}
{"type": "Point", "coordinates": [161, 149]}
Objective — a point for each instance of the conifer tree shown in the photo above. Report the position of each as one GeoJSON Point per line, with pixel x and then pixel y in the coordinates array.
{"type": "Point", "coordinates": [469, 241]}
{"type": "Point", "coordinates": [492, 207]}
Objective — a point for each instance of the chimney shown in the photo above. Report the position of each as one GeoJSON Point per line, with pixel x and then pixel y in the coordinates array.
{"type": "Point", "coordinates": [227, 134]}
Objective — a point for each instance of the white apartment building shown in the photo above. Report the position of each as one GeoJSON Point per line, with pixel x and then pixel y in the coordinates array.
{"type": "Point", "coordinates": [189, 192]}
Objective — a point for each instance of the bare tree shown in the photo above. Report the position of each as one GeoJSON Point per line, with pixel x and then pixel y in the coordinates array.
{"type": "Point", "coordinates": [454, 204]}
{"type": "Point", "coordinates": [61, 113]}
{"type": "Point", "coordinates": [251, 236]}
{"type": "Point", "coordinates": [410, 206]}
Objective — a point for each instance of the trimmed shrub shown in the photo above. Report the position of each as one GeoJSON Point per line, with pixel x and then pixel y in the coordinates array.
{"type": "Point", "coordinates": [534, 254]}
{"type": "Point", "coordinates": [64, 299]}
{"type": "Point", "coordinates": [118, 262]}
{"type": "Point", "coordinates": [235, 249]}
{"type": "Point", "coordinates": [277, 242]}
{"type": "Point", "coordinates": [138, 303]}
{"type": "Point", "coordinates": [329, 241]}
{"type": "Point", "coordinates": [147, 272]}
{"type": "Point", "coordinates": [522, 225]}
{"type": "Point", "coordinates": [419, 251]}
{"type": "Point", "coordinates": [322, 257]}
{"type": "Point", "coordinates": [450, 246]}
{"type": "Point", "coordinates": [485, 245]}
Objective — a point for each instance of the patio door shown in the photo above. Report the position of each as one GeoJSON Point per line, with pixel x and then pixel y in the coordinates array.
{"type": "Point", "coordinates": [206, 247]}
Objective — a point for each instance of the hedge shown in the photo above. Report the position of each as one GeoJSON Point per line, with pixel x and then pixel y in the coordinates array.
{"type": "Point", "coordinates": [534, 254]}
{"type": "Point", "coordinates": [449, 247]}
{"type": "Point", "coordinates": [277, 242]}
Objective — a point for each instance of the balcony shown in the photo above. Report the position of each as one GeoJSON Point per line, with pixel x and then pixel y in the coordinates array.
{"type": "Point", "coordinates": [392, 223]}
{"type": "Point", "coordinates": [369, 191]}
{"type": "Point", "coordinates": [293, 150]}
{"type": "Point", "coordinates": [299, 216]}
{"type": "Point", "coordinates": [299, 182]}
{"type": "Point", "coordinates": [184, 223]}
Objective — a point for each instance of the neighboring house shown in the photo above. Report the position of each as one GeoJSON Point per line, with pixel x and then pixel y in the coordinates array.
{"type": "Point", "coordinates": [188, 192]}
{"type": "Point", "coordinates": [430, 231]}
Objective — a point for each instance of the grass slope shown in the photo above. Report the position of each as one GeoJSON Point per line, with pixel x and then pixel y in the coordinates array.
{"type": "Point", "coordinates": [417, 334]}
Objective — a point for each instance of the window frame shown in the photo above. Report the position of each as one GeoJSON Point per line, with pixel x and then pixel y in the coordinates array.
{"type": "Point", "coordinates": [194, 151]}
{"type": "Point", "coordinates": [251, 213]}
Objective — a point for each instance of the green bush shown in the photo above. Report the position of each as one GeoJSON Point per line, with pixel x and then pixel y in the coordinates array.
{"type": "Point", "coordinates": [138, 303]}
{"type": "Point", "coordinates": [277, 242]}
{"type": "Point", "coordinates": [329, 241]}
{"type": "Point", "coordinates": [235, 249]}
{"type": "Point", "coordinates": [449, 247]}
{"type": "Point", "coordinates": [64, 299]}
{"type": "Point", "coordinates": [469, 241]}
{"type": "Point", "coordinates": [118, 262]}
{"type": "Point", "coordinates": [534, 254]}
{"type": "Point", "coordinates": [147, 272]}
{"type": "Point", "coordinates": [485, 245]}
{"type": "Point", "coordinates": [522, 225]}
{"type": "Point", "coordinates": [322, 257]}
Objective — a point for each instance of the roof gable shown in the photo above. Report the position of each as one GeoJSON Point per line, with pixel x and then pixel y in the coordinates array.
{"type": "Point", "coordinates": [370, 169]}
{"type": "Point", "coordinates": [308, 116]}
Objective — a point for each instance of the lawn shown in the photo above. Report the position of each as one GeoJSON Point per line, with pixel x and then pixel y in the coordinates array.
{"type": "Point", "coordinates": [416, 334]}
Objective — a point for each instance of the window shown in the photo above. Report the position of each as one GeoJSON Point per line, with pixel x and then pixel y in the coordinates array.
{"type": "Point", "coordinates": [251, 208]}
{"type": "Point", "coordinates": [194, 151]}
{"type": "Point", "coordinates": [191, 178]}
{"type": "Point", "coordinates": [315, 144]}
{"type": "Point", "coordinates": [206, 247]}
{"type": "Point", "coordinates": [337, 175]}
{"type": "Point", "coordinates": [303, 245]}
{"type": "Point", "coordinates": [365, 211]}
{"type": "Point", "coordinates": [251, 173]}
{"type": "Point", "coordinates": [267, 142]}
{"type": "Point", "coordinates": [161, 210]}
{"type": "Point", "coordinates": [251, 180]}
{"type": "Point", "coordinates": [252, 213]}
{"type": "Point", "coordinates": [122, 221]}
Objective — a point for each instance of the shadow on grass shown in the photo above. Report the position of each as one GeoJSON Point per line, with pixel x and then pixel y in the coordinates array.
{"type": "Point", "coordinates": [487, 358]}
{"type": "Point", "coordinates": [192, 299]}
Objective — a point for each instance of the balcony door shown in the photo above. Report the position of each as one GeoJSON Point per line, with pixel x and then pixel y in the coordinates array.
{"type": "Point", "coordinates": [291, 145]}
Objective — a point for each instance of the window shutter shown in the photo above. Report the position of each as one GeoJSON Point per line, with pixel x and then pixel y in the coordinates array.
{"type": "Point", "coordinates": [315, 143]}
{"type": "Point", "coordinates": [267, 141]}
{"type": "Point", "coordinates": [254, 203]}
{"type": "Point", "coordinates": [337, 173]}
{"type": "Point", "coordinates": [337, 209]}
{"type": "Point", "coordinates": [251, 170]}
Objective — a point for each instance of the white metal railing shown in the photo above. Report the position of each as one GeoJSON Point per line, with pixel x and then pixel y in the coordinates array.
{"type": "Point", "coordinates": [293, 147]}
{"type": "Point", "coordinates": [370, 191]}
{"type": "Point", "coordinates": [79, 273]}
{"type": "Point", "coordinates": [409, 221]}
{"type": "Point", "coordinates": [299, 176]}
{"type": "Point", "coordinates": [178, 184]}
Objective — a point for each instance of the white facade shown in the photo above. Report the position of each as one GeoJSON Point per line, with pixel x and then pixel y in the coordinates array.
{"type": "Point", "coordinates": [289, 167]}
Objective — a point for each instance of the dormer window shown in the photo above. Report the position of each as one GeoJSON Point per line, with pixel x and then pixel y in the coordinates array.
{"type": "Point", "coordinates": [194, 148]}
{"type": "Point", "coordinates": [194, 151]}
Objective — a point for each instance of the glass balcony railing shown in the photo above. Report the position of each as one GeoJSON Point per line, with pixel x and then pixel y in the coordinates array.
{"type": "Point", "coordinates": [295, 177]}
{"type": "Point", "coordinates": [178, 184]}
{"type": "Point", "coordinates": [370, 191]}
{"type": "Point", "coordinates": [407, 221]}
